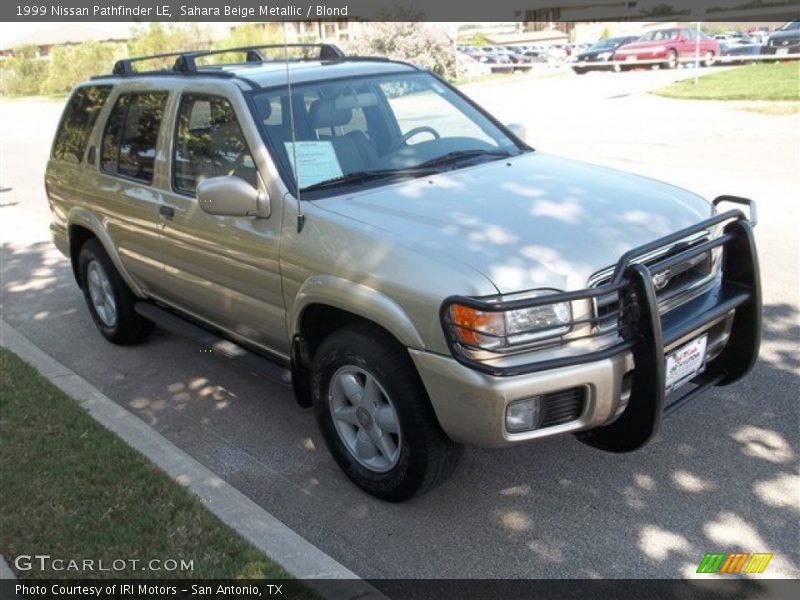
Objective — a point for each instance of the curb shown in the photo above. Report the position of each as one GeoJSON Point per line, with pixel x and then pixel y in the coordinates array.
{"type": "Point", "coordinates": [5, 571]}
{"type": "Point", "coordinates": [278, 542]}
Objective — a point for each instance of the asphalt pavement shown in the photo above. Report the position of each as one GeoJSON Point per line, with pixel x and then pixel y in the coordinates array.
{"type": "Point", "coordinates": [722, 476]}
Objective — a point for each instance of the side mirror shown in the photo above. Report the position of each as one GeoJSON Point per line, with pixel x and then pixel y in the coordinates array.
{"type": "Point", "coordinates": [518, 129]}
{"type": "Point", "coordinates": [231, 196]}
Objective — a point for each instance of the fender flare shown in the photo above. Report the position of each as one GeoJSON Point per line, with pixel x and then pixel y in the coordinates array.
{"type": "Point", "coordinates": [358, 299]}
{"type": "Point", "coordinates": [81, 217]}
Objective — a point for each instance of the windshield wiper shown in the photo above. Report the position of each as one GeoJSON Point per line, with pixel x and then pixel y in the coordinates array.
{"type": "Point", "coordinates": [457, 155]}
{"type": "Point", "coordinates": [365, 176]}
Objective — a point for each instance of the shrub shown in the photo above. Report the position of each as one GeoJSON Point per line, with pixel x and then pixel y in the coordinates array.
{"type": "Point", "coordinates": [423, 44]}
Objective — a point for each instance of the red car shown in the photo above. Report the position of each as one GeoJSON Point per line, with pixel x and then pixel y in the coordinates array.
{"type": "Point", "coordinates": [669, 47]}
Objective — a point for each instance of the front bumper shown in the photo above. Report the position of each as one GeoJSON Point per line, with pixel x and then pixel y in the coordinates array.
{"type": "Point", "coordinates": [791, 48]}
{"type": "Point", "coordinates": [470, 398]}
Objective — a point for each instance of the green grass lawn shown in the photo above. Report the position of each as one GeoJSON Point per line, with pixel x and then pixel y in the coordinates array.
{"type": "Point", "coordinates": [777, 110]}
{"type": "Point", "coordinates": [69, 488]}
{"type": "Point", "coordinates": [763, 81]}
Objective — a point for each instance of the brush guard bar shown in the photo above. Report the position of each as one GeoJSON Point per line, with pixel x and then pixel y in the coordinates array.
{"type": "Point", "coordinates": [645, 332]}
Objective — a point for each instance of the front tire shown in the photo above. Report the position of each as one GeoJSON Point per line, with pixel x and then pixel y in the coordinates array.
{"type": "Point", "coordinates": [110, 301]}
{"type": "Point", "coordinates": [375, 416]}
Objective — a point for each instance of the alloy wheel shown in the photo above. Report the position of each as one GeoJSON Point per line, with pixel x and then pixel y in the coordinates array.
{"type": "Point", "coordinates": [101, 293]}
{"type": "Point", "coordinates": [365, 418]}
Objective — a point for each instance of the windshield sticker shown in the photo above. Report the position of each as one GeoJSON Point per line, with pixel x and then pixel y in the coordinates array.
{"type": "Point", "coordinates": [316, 161]}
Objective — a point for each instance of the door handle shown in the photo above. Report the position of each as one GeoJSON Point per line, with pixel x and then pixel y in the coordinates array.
{"type": "Point", "coordinates": [166, 212]}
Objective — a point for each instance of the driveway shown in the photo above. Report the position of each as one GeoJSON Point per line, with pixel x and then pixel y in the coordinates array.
{"type": "Point", "coordinates": [721, 476]}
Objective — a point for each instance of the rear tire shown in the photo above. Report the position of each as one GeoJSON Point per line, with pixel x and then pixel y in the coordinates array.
{"type": "Point", "coordinates": [385, 435]}
{"type": "Point", "coordinates": [672, 60]}
{"type": "Point", "coordinates": [708, 61]}
{"type": "Point", "coordinates": [110, 300]}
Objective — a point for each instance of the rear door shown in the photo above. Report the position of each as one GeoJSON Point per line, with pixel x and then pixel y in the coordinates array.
{"type": "Point", "coordinates": [223, 270]}
{"type": "Point", "coordinates": [124, 182]}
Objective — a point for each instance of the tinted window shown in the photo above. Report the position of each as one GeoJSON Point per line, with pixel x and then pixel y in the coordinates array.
{"type": "Point", "coordinates": [129, 141]}
{"type": "Point", "coordinates": [78, 120]}
{"type": "Point", "coordinates": [109, 154]}
{"type": "Point", "coordinates": [209, 143]}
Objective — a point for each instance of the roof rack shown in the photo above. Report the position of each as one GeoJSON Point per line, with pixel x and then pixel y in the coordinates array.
{"type": "Point", "coordinates": [186, 63]}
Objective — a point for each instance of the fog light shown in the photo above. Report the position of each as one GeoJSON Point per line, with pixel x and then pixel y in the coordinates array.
{"type": "Point", "coordinates": [523, 415]}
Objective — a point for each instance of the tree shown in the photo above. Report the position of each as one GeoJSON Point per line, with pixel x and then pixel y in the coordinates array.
{"type": "Point", "coordinates": [23, 73]}
{"type": "Point", "coordinates": [252, 34]}
{"type": "Point", "coordinates": [156, 38]}
{"type": "Point", "coordinates": [420, 43]}
{"type": "Point", "coordinates": [72, 64]}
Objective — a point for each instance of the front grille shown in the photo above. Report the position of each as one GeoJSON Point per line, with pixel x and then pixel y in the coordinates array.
{"type": "Point", "coordinates": [562, 407]}
{"type": "Point", "coordinates": [674, 287]}
{"type": "Point", "coordinates": [784, 43]}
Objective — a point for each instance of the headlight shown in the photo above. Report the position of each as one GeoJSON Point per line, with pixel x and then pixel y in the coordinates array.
{"type": "Point", "coordinates": [604, 55]}
{"type": "Point", "coordinates": [505, 329]}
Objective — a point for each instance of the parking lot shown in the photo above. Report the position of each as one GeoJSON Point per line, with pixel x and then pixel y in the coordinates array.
{"type": "Point", "coordinates": [722, 476]}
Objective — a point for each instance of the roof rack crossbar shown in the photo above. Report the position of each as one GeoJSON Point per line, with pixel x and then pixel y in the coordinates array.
{"type": "Point", "coordinates": [125, 66]}
{"type": "Point", "coordinates": [185, 62]}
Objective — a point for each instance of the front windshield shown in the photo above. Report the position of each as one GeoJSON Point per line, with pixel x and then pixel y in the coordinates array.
{"type": "Point", "coordinates": [791, 25]}
{"type": "Point", "coordinates": [368, 131]}
{"type": "Point", "coordinates": [661, 35]}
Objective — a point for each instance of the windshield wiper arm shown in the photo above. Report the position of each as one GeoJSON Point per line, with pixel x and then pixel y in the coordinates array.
{"type": "Point", "coordinates": [365, 176]}
{"type": "Point", "coordinates": [457, 155]}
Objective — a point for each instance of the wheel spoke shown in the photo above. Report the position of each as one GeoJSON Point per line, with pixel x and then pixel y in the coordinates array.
{"type": "Point", "coordinates": [346, 414]}
{"type": "Point", "coordinates": [386, 445]}
{"type": "Point", "coordinates": [365, 447]}
{"type": "Point", "coordinates": [372, 392]}
{"type": "Point", "coordinates": [351, 388]}
{"type": "Point", "coordinates": [387, 419]}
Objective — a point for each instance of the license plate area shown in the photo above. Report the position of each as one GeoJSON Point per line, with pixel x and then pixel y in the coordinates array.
{"type": "Point", "coordinates": [685, 363]}
{"type": "Point", "coordinates": [782, 51]}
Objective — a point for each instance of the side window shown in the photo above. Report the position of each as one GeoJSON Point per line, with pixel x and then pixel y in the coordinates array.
{"type": "Point", "coordinates": [129, 140]}
{"type": "Point", "coordinates": [78, 121]}
{"type": "Point", "coordinates": [209, 143]}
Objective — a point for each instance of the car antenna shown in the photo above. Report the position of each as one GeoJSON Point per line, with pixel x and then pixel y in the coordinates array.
{"type": "Point", "coordinates": [301, 217]}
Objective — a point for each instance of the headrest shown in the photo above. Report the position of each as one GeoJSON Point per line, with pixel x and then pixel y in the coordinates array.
{"type": "Point", "coordinates": [323, 113]}
{"type": "Point", "coordinates": [266, 109]}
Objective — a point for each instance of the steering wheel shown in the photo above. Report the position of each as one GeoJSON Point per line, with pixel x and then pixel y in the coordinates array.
{"type": "Point", "coordinates": [421, 129]}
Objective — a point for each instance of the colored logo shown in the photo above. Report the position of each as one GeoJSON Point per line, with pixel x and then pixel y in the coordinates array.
{"type": "Point", "coordinates": [734, 563]}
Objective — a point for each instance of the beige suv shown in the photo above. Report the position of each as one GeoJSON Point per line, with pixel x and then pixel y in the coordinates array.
{"type": "Point", "coordinates": [361, 230]}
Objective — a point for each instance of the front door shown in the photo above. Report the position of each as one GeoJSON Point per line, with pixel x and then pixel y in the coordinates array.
{"type": "Point", "coordinates": [223, 270]}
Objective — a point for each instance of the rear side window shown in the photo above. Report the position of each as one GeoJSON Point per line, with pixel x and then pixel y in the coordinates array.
{"type": "Point", "coordinates": [209, 143]}
{"type": "Point", "coordinates": [129, 140]}
{"type": "Point", "coordinates": [78, 121]}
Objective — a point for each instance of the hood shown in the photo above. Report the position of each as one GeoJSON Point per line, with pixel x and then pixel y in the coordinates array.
{"type": "Point", "coordinates": [785, 34]}
{"type": "Point", "coordinates": [533, 221]}
{"type": "Point", "coordinates": [641, 45]}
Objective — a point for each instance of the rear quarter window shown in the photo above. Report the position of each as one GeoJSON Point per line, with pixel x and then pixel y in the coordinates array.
{"type": "Point", "coordinates": [78, 121]}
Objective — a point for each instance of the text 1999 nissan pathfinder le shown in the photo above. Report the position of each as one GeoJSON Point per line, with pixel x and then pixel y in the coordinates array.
{"type": "Point", "coordinates": [423, 277]}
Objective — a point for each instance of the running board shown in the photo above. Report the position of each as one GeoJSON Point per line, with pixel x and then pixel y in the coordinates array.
{"type": "Point", "coordinates": [210, 341]}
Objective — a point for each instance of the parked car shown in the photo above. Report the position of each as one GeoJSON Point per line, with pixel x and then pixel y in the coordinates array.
{"type": "Point", "coordinates": [387, 264]}
{"type": "Point", "coordinates": [785, 40]}
{"type": "Point", "coordinates": [598, 55]}
{"type": "Point", "coordinates": [668, 48]}
{"type": "Point", "coordinates": [471, 67]}
{"type": "Point", "coordinates": [738, 50]}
